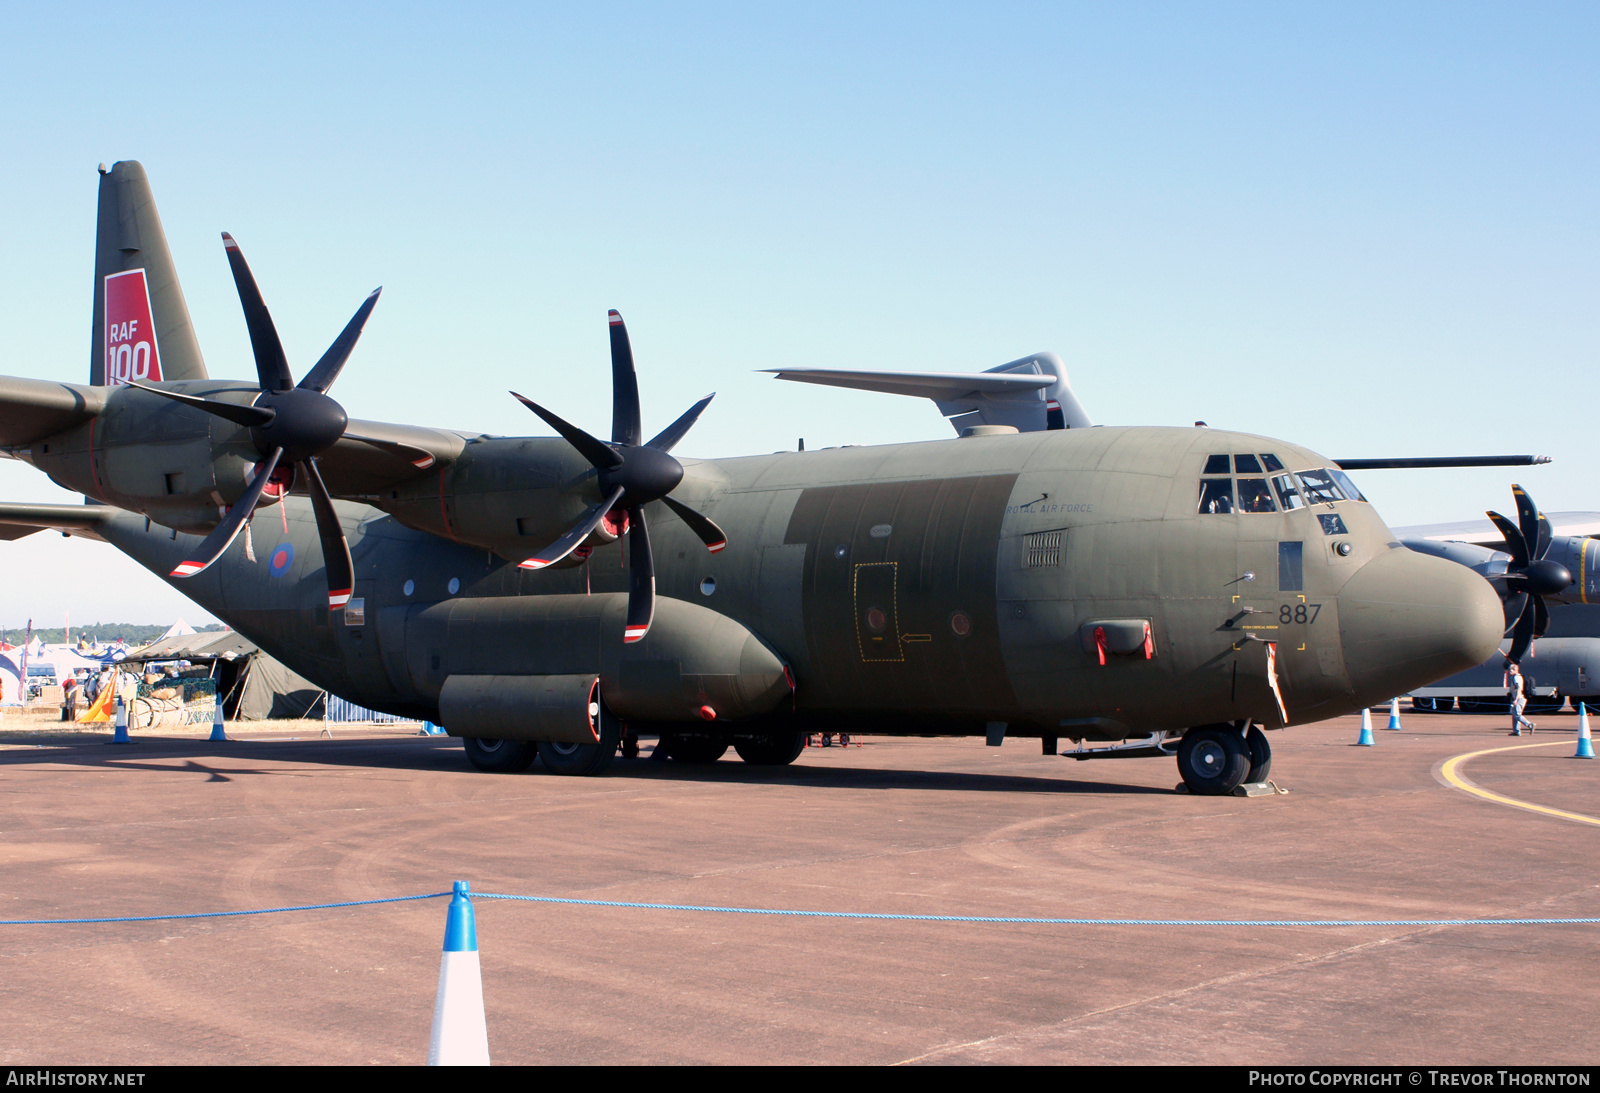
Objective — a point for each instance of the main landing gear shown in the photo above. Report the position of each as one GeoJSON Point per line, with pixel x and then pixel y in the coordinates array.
{"type": "Point", "coordinates": [1215, 760]}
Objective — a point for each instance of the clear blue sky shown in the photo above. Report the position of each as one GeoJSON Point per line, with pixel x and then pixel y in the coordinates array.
{"type": "Point", "coordinates": [1370, 229]}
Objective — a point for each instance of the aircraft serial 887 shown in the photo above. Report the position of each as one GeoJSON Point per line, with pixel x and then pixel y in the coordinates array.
{"type": "Point", "coordinates": [1162, 591]}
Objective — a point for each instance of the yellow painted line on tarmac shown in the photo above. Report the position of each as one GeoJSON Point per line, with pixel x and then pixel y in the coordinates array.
{"type": "Point", "coordinates": [1448, 771]}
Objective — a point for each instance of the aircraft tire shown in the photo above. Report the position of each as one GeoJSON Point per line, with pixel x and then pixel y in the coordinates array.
{"type": "Point", "coordinates": [692, 749]}
{"type": "Point", "coordinates": [1213, 760]}
{"type": "Point", "coordinates": [499, 756]}
{"type": "Point", "coordinates": [774, 749]}
{"type": "Point", "coordinates": [584, 760]}
{"type": "Point", "coordinates": [1260, 755]}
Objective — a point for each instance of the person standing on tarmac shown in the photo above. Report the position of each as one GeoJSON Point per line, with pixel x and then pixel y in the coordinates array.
{"type": "Point", "coordinates": [1517, 693]}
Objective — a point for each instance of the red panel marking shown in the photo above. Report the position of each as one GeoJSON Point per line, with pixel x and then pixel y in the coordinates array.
{"type": "Point", "coordinates": [707, 713]}
{"type": "Point", "coordinates": [131, 352]}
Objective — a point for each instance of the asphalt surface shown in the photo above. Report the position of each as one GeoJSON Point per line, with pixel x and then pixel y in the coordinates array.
{"type": "Point", "coordinates": [172, 825]}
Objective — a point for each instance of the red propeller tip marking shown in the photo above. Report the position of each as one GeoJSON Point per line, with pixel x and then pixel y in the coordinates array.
{"type": "Point", "coordinates": [187, 569]}
{"type": "Point", "coordinates": [614, 316]}
{"type": "Point", "coordinates": [632, 634]}
{"type": "Point", "coordinates": [227, 241]}
{"type": "Point", "coordinates": [716, 547]}
{"type": "Point", "coordinates": [423, 464]}
{"type": "Point", "coordinates": [533, 563]}
{"type": "Point", "coordinates": [338, 599]}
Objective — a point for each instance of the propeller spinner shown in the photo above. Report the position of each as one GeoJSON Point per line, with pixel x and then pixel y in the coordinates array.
{"type": "Point", "coordinates": [289, 423]}
{"type": "Point", "coordinates": [1530, 575]}
{"type": "Point", "coordinates": [631, 475]}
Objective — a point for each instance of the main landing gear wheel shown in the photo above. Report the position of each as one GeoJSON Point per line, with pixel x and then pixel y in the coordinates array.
{"type": "Point", "coordinates": [500, 756]}
{"type": "Point", "coordinates": [584, 759]}
{"type": "Point", "coordinates": [774, 749]}
{"type": "Point", "coordinates": [1213, 760]}
{"type": "Point", "coordinates": [692, 749]}
{"type": "Point", "coordinates": [1260, 755]}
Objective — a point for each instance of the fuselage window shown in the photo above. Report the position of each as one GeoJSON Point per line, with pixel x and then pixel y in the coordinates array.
{"type": "Point", "coordinates": [1254, 496]}
{"type": "Point", "coordinates": [1288, 497]}
{"type": "Point", "coordinates": [1320, 487]}
{"type": "Point", "coordinates": [1291, 567]}
{"type": "Point", "coordinates": [1332, 523]}
{"type": "Point", "coordinates": [1246, 464]}
{"type": "Point", "coordinates": [1216, 495]}
{"type": "Point", "coordinates": [1217, 464]}
{"type": "Point", "coordinates": [1346, 485]}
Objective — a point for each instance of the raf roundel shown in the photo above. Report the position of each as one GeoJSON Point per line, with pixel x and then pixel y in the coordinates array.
{"type": "Point", "coordinates": [281, 559]}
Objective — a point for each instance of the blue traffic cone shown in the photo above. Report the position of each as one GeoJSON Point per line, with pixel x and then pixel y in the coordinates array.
{"type": "Point", "coordinates": [119, 734]}
{"type": "Point", "coordinates": [1365, 740]}
{"type": "Point", "coordinates": [460, 1034]}
{"type": "Point", "coordinates": [1585, 746]}
{"type": "Point", "coordinates": [1394, 715]}
{"type": "Point", "coordinates": [216, 722]}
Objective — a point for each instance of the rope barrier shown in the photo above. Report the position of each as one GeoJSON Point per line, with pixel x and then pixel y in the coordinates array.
{"type": "Point", "coordinates": [999, 920]}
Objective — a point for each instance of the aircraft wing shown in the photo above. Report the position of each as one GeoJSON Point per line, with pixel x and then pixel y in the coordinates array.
{"type": "Point", "coordinates": [17, 521]}
{"type": "Point", "coordinates": [33, 409]}
{"type": "Point", "coordinates": [943, 386]}
{"type": "Point", "coordinates": [1483, 533]}
{"type": "Point", "coordinates": [374, 455]}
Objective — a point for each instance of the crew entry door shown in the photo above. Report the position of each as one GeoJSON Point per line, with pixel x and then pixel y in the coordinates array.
{"type": "Point", "coordinates": [877, 611]}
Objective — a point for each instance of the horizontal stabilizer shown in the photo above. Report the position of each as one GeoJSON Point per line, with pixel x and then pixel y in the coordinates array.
{"type": "Point", "coordinates": [17, 521]}
{"type": "Point", "coordinates": [946, 386]}
{"type": "Point", "coordinates": [1030, 395]}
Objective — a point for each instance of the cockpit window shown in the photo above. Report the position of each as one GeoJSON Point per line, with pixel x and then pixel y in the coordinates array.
{"type": "Point", "coordinates": [1346, 485]}
{"type": "Point", "coordinates": [1288, 497]}
{"type": "Point", "coordinates": [1247, 464]}
{"type": "Point", "coordinates": [1254, 495]}
{"type": "Point", "coordinates": [1271, 463]}
{"type": "Point", "coordinates": [1216, 494]}
{"type": "Point", "coordinates": [1320, 487]}
{"type": "Point", "coordinates": [1217, 464]}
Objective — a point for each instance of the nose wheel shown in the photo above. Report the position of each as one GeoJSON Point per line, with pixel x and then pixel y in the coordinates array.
{"type": "Point", "coordinates": [1214, 760]}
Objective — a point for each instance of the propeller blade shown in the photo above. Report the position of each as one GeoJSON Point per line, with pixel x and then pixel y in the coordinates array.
{"type": "Point", "coordinates": [335, 547]}
{"type": "Point", "coordinates": [709, 533]}
{"type": "Point", "coordinates": [1541, 617]}
{"type": "Point", "coordinates": [625, 427]}
{"type": "Point", "coordinates": [326, 370]}
{"type": "Point", "coordinates": [1522, 634]}
{"type": "Point", "coordinates": [565, 545]}
{"type": "Point", "coordinates": [212, 546]}
{"type": "Point", "coordinates": [1516, 545]}
{"type": "Point", "coordinates": [668, 438]}
{"type": "Point", "coordinates": [420, 458]}
{"type": "Point", "coordinates": [252, 417]}
{"type": "Point", "coordinates": [272, 367]}
{"type": "Point", "coordinates": [641, 579]}
{"type": "Point", "coordinates": [599, 455]}
{"type": "Point", "coordinates": [1528, 521]}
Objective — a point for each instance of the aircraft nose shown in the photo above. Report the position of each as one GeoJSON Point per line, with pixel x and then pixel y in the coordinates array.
{"type": "Point", "coordinates": [1407, 620]}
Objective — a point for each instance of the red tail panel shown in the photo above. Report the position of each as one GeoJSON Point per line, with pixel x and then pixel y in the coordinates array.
{"type": "Point", "coordinates": [131, 352]}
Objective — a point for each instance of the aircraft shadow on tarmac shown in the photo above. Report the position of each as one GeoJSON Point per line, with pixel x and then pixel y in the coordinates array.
{"type": "Point", "coordinates": [168, 756]}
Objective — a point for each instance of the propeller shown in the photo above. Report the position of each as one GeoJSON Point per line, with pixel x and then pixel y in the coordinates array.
{"type": "Point", "coordinates": [631, 475]}
{"type": "Point", "coordinates": [1530, 576]}
{"type": "Point", "coordinates": [290, 424]}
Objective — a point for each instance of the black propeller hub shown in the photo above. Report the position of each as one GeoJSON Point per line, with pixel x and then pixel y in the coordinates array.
{"type": "Point", "coordinates": [304, 424]}
{"type": "Point", "coordinates": [1543, 578]}
{"type": "Point", "coordinates": [646, 474]}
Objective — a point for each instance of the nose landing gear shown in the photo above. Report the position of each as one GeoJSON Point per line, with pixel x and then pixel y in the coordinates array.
{"type": "Point", "coordinates": [1215, 760]}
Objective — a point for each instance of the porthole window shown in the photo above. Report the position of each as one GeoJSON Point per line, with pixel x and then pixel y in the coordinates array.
{"type": "Point", "coordinates": [409, 587]}
{"type": "Point", "coordinates": [708, 586]}
{"type": "Point", "coordinates": [876, 619]}
{"type": "Point", "coordinates": [454, 586]}
{"type": "Point", "coordinates": [960, 624]}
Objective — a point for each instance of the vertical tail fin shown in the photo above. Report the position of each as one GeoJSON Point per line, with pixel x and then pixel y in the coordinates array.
{"type": "Point", "coordinates": [141, 323]}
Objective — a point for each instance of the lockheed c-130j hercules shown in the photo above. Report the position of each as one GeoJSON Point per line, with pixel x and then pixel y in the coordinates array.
{"type": "Point", "coordinates": [1170, 590]}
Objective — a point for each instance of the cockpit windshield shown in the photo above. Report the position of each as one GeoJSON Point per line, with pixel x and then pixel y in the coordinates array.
{"type": "Point", "coordinates": [1243, 491]}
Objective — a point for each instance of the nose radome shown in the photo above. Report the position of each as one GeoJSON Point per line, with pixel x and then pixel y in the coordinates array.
{"type": "Point", "coordinates": [1407, 620]}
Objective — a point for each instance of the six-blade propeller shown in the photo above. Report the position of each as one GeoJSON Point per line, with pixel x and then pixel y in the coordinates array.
{"type": "Point", "coordinates": [1530, 576]}
{"type": "Point", "coordinates": [630, 475]}
{"type": "Point", "coordinates": [289, 423]}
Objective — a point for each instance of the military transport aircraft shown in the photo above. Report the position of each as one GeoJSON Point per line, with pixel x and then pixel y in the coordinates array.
{"type": "Point", "coordinates": [1175, 590]}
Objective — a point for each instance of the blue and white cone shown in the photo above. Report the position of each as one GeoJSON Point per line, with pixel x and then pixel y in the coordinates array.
{"type": "Point", "coordinates": [1585, 745]}
{"type": "Point", "coordinates": [1394, 715]}
{"type": "Point", "coordinates": [216, 722]}
{"type": "Point", "coordinates": [119, 734]}
{"type": "Point", "coordinates": [460, 1034]}
{"type": "Point", "coordinates": [1365, 740]}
